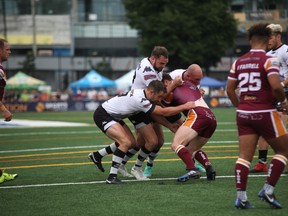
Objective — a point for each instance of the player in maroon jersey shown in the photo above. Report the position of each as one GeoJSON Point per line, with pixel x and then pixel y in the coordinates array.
{"type": "Point", "coordinates": [4, 55]}
{"type": "Point", "coordinates": [256, 75]}
{"type": "Point", "coordinates": [193, 134]}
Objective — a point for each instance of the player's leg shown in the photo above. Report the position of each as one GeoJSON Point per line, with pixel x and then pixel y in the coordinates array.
{"type": "Point", "coordinates": [154, 153]}
{"type": "Point", "coordinates": [181, 138]}
{"type": "Point", "coordinates": [96, 157]}
{"type": "Point", "coordinates": [247, 146]}
{"type": "Point", "coordinates": [276, 167]}
{"type": "Point", "coordinates": [195, 148]}
{"type": "Point", "coordinates": [147, 136]}
{"type": "Point", "coordinates": [261, 166]}
{"type": "Point", "coordinates": [122, 135]}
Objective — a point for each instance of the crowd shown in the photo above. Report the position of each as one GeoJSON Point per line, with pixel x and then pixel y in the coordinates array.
{"type": "Point", "coordinates": [256, 80]}
{"type": "Point", "coordinates": [35, 95]}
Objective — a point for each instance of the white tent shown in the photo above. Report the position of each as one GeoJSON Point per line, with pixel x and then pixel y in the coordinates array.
{"type": "Point", "coordinates": [124, 82]}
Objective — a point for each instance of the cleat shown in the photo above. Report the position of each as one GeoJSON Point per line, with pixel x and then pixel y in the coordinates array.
{"type": "Point", "coordinates": [192, 174]}
{"type": "Point", "coordinates": [259, 167]}
{"type": "Point", "coordinates": [271, 199]}
{"type": "Point", "coordinates": [122, 169]}
{"type": "Point", "coordinates": [138, 173]}
{"type": "Point", "coordinates": [148, 171]}
{"type": "Point", "coordinates": [199, 167]}
{"type": "Point", "coordinates": [7, 177]}
{"type": "Point", "coordinates": [96, 162]}
{"type": "Point", "coordinates": [242, 204]}
{"type": "Point", "coordinates": [210, 173]}
{"type": "Point", "coordinates": [114, 180]}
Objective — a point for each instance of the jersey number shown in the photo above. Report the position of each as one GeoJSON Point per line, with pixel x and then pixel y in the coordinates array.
{"type": "Point", "coordinates": [251, 81]}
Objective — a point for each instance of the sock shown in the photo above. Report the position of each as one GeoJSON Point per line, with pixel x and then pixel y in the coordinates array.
{"type": "Point", "coordinates": [105, 151]}
{"type": "Point", "coordinates": [186, 157]}
{"type": "Point", "coordinates": [130, 154]}
{"type": "Point", "coordinates": [241, 174]}
{"type": "Point", "coordinates": [116, 162]}
{"type": "Point", "coordinates": [152, 157]}
{"type": "Point", "coordinates": [202, 158]}
{"type": "Point", "coordinates": [143, 154]}
{"type": "Point", "coordinates": [269, 189]}
{"type": "Point", "coordinates": [242, 195]}
{"type": "Point", "coordinates": [262, 157]}
{"type": "Point", "coordinates": [276, 168]}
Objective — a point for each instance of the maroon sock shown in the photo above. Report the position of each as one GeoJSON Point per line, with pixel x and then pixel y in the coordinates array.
{"type": "Point", "coordinates": [202, 158]}
{"type": "Point", "coordinates": [276, 167]}
{"type": "Point", "coordinates": [241, 174]}
{"type": "Point", "coordinates": [186, 157]}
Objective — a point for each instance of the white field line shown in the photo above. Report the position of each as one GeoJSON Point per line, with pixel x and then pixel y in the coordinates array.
{"type": "Point", "coordinates": [91, 147]}
{"type": "Point", "coordinates": [96, 131]}
{"type": "Point", "coordinates": [102, 182]}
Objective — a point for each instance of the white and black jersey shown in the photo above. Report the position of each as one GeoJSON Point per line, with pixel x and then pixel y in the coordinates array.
{"type": "Point", "coordinates": [144, 74]}
{"type": "Point", "coordinates": [177, 72]}
{"type": "Point", "coordinates": [282, 54]}
{"type": "Point", "coordinates": [128, 104]}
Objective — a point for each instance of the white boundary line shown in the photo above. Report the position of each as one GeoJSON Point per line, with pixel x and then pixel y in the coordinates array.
{"type": "Point", "coordinates": [102, 182]}
{"type": "Point", "coordinates": [93, 147]}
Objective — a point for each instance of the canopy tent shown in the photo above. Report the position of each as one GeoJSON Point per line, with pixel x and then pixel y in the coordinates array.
{"type": "Point", "coordinates": [22, 81]}
{"type": "Point", "coordinates": [124, 82]}
{"type": "Point", "coordinates": [92, 80]}
{"type": "Point", "coordinates": [211, 82]}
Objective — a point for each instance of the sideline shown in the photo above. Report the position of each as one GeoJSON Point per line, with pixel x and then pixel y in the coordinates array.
{"type": "Point", "coordinates": [16, 123]}
{"type": "Point", "coordinates": [102, 182]}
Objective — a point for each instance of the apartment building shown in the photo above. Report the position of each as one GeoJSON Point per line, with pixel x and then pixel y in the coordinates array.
{"type": "Point", "coordinates": [68, 37]}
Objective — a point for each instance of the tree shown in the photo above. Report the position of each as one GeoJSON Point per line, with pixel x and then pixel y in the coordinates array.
{"type": "Point", "coordinates": [28, 64]}
{"type": "Point", "coordinates": [193, 31]}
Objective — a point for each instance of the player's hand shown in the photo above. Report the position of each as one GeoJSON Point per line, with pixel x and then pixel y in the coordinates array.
{"type": "Point", "coordinates": [189, 105]}
{"type": "Point", "coordinates": [174, 127]}
{"type": "Point", "coordinates": [202, 92]}
{"type": "Point", "coordinates": [177, 81]}
{"type": "Point", "coordinates": [7, 115]}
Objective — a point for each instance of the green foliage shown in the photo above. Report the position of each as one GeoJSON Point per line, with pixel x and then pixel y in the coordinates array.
{"type": "Point", "coordinates": [193, 31]}
{"type": "Point", "coordinates": [28, 64]}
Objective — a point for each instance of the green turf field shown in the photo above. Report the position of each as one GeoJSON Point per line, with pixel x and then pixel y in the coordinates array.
{"type": "Point", "coordinates": [56, 178]}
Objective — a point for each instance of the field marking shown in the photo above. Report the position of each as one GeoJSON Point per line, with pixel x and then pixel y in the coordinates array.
{"type": "Point", "coordinates": [105, 145]}
{"type": "Point", "coordinates": [85, 132]}
{"type": "Point", "coordinates": [102, 182]}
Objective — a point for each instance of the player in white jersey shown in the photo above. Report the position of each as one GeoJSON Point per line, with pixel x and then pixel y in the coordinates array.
{"type": "Point", "coordinates": [109, 118]}
{"type": "Point", "coordinates": [150, 140]}
{"type": "Point", "coordinates": [280, 50]}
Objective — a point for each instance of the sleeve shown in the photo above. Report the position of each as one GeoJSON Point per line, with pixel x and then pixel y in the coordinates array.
{"type": "Point", "coordinates": [232, 74]}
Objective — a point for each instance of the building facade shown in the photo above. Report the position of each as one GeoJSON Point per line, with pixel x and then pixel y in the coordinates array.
{"type": "Point", "coordinates": [69, 37]}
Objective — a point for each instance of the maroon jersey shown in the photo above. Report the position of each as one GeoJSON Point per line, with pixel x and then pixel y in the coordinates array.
{"type": "Point", "coordinates": [186, 92]}
{"type": "Point", "coordinates": [2, 82]}
{"type": "Point", "coordinates": [251, 72]}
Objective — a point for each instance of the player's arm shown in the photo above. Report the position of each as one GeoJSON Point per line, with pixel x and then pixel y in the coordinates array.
{"type": "Point", "coordinates": [231, 91]}
{"type": "Point", "coordinates": [276, 86]}
{"type": "Point", "coordinates": [163, 121]}
{"type": "Point", "coordinates": [168, 111]}
{"type": "Point", "coordinates": [172, 85]}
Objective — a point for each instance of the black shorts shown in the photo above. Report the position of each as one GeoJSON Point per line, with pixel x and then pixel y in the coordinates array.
{"type": "Point", "coordinates": [140, 119]}
{"type": "Point", "coordinates": [174, 118]}
{"type": "Point", "coordinates": [103, 120]}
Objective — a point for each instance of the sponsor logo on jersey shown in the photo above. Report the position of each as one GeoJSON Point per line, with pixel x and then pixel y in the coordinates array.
{"type": "Point", "coordinates": [147, 69]}
{"type": "Point", "coordinates": [150, 76]}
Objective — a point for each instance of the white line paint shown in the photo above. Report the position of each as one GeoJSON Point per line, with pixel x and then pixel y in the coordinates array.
{"type": "Point", "coordinates": [102, 182]}
{"type": "Point", "coordinates": [93, 147]}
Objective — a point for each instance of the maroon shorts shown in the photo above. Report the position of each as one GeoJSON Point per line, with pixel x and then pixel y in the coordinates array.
{"type": "Point", "coordinates": [202, 120]}
{"type": "Point", "coordinates": [265, 124]}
